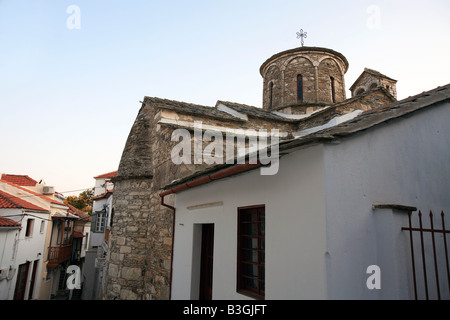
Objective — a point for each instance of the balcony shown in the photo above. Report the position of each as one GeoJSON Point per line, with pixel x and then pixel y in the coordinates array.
{"type": "Point", "coordinates": [57, 255]}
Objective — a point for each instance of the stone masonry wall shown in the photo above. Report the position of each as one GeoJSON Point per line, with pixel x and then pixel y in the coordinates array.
{"type": "Point", "coordinates": [140, 246]}
{"type": "Point", "coordinates": [139, 256]}
{"type": "Point", "coordinates": [316, 65]}
{"type": "Point", "coordinates": [368, 101]}
{"type": "Point", "coordinates": [127, 254]}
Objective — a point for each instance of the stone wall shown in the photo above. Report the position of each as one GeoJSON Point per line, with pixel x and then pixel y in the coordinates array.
{"type": "Point", "coordinates": [316, 65]}
{"type": "Point", "coordinates": [370, 100]}
{"type": "Point", "coordinates": [128, 246]}
{"type": "Point", "coordinates": [371, 79]}
{"type": "Point", "coordinates": [296, 66]}
{"type": "Point", "coordinates": [140, 246]}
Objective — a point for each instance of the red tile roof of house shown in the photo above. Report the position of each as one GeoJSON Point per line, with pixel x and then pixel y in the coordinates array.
{"type": "Point", "coordinates": [20, 180]}
{"type": "Point", "coordinates": [107, 175]}
{"type": "Point", "coordinates": [5, 222]}
{"type": "Point", "coordinates": [8, 201]}
{"type": "Point", "coordinates": [83, 215]}
{"type": "Point", "coordinates": [77, 234]}
{"type": "Point", "coordinates": [33, 193]}
{"type": "Point", "coordinates": [106, 194]}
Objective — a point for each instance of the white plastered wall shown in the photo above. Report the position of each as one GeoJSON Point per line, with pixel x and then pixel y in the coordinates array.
{"type": "Point", "coordinates": [295, 230]}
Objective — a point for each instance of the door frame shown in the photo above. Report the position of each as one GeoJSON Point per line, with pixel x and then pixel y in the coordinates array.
{"type": "Point", "coordinates": [206, 262]}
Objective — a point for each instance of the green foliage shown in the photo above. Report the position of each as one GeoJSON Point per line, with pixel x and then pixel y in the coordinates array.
{"type": "Point", "coordinates": [83, 201]}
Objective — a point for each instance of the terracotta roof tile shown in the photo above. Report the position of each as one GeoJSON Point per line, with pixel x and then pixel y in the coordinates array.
{"type": "Point", "coordinates": [20, 180]}
{"type": "Point", "coordinates": [103, 195]}
{"type": "Point", "coordinates": [83, 215]}
{"type": "Point", "coordinates": [107, 175]}
{"type": "Point", "coordinates": [5, 222]}
{"type": "Point", "coordinates": [33, 193]}
{"type": "Point", "coordinates": [9, 201]}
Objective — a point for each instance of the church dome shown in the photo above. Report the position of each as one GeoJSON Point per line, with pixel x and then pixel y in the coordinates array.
{"type": "Point", "coordinates": [303, 79]}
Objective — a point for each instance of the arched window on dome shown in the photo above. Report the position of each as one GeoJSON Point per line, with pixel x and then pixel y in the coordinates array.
{"type": "Point", "coordinates": [299, 87]}
{"type": "Point", "coordinates": [333, 90]}
{"type": "Point", "coordinates": [271, 94]}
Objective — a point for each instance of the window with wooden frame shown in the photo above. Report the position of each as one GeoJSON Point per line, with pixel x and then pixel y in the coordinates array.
{"type": "Point", "coordinates": [251, 251]}
{"type": "Point", "coordinates": [29, 229]}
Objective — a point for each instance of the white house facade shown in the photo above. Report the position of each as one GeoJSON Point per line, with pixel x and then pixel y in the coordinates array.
{"type": "Point", "coordinates": [9, 232]}
{"type": "Point", "coordinates": [22, 248]}
{"type": "Point", "coordinates": [94, 271]}
{"type": "Point", "coordinates": [329, 224]}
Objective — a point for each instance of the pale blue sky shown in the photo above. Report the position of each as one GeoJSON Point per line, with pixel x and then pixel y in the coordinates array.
{"type": "Point", "coordinates": [68, 98]}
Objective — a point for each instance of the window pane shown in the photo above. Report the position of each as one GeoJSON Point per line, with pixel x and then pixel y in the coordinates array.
{"type": "Point", "coordinates": [252, 283]}
{"type": "Point", "coordinates": [252, 245]}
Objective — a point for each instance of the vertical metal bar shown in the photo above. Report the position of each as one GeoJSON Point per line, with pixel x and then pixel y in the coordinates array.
{"type": "Point", "coordinates": [434, 255]}
{"type": "Point", "coordinates": [445, 247]}
{"type": "Point", "coordinates": [423, 256]}
{"type": "Point", "coordinates": [412, 254]}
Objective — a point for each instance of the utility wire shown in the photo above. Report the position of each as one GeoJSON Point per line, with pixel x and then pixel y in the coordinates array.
{"type": "Point", "coordinates": [40, 195]}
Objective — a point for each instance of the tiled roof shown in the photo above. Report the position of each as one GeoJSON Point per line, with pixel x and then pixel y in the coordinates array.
{"type": "Point", "coordinates": [377, 73]}
{"type": "Point", "coordinates": [83, 215]}
{"type": "Point", "coordinates": [33, 193]}
{"type": "Point", "coordinates": [8, 201]}
{"type": "Point", "coordinates": [103, 195]}
{"type": "Point", "coordinates": [20, 180]}
{"type": "Point", "coordinates": [190, 108]}
{"type": "Point", "coordinates": [362, 122]}
{"type": "Point", "coordinates": [252, 111]}
{"type": "Point", "coordinates": [77, 234]}
{"type": "Point", "coordinates": [5, 222]}
{"type": "Point", "coordinates": [372, 72]}
{"type": "Point", "coordinates": [107, 175]}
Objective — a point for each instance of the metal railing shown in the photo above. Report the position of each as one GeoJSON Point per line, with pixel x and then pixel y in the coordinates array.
{"type": "Point", "coordinates": [438, 256]}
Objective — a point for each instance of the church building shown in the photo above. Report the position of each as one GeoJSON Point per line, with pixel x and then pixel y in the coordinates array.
{"type": "Point", "coordinates": [326, 224]}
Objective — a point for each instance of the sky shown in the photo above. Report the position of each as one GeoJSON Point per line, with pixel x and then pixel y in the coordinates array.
{"type": "Point", "coordinates": [73, 73]}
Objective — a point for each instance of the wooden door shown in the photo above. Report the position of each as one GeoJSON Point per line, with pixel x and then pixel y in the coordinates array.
{"type": "Point", "coordinates": [33, 279]}
{"type": "Point", "coordinates": [207, 257]}
{"type": "Point", "coordinates": [21, 283]}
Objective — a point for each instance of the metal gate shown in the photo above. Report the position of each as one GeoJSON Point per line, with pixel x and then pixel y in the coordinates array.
{"type": "Point", "coordinates": [432, 247]}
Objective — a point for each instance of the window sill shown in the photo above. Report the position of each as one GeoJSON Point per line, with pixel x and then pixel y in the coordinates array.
{"type": "Point", "coordinates": [250, 294]}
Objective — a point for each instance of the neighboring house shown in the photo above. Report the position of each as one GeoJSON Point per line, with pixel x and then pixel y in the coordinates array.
{"type": "Point", "coordinates": [23, 227]}
{"type": "Point", "coordinates": [332, 214]}
{"type": "Point", "coordinates": [102, 211]}
{"type": "Point", "coordinates": [80, 235]}
{"type": "Point", "coordinates": [55, 235]}
{"type": "Point", "coordinates": [9, 234]}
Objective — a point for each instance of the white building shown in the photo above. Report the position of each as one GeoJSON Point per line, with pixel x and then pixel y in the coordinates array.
{"type": "Point", "coordinates": [22, 247]}
{"type": "Point", "coordinates": [43, 248]}
{"type": "Point", "coordinates": [9, 231]}
{"type": "Point", "coordinates": [102, 211]}
{"type": "Point", "coordinates": [329, 224]}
